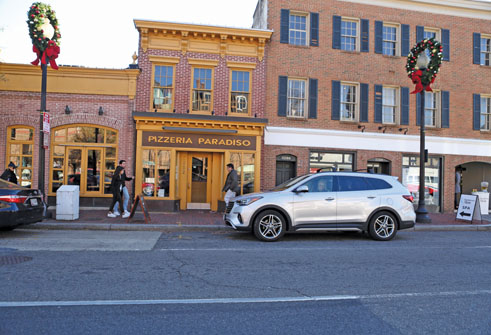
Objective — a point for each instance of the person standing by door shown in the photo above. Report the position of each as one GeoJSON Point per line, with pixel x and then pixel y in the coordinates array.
{"type": "Point", "coordinates": [126, 195]}
{"type": "Point", "coordinates": [231, 186]}
{"type": "Point", "coordinates": [9, 174]}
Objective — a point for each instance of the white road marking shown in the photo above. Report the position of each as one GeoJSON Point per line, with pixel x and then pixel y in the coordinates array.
{"type": "Point", "coordinates": [321, 248]}
{"type": "Point", "coordinates": [236, 300]}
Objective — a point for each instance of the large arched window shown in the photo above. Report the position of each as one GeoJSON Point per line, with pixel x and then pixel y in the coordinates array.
{"type": "Point", "coordinates": [20, 142]}
{"type": "Point", "coordinates": [83, 155]}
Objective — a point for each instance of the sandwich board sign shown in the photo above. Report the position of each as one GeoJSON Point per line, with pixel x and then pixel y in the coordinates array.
{"type": "Point", "coordinates": [469, 208]}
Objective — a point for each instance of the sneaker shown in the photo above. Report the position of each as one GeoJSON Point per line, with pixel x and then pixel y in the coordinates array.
{"type": "Point", "coordinates": [126, 215]}
{"type": "Point", "coordinates": [126, 212]}
{"type": "Point", "coordinates": [111, 215]}
{"type": "Point", "coordinates": [117, 213]}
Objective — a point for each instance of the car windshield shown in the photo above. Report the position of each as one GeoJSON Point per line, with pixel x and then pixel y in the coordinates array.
{"type": "Point", "coordinates": [290, 183]}
{"type": "Point", "coordinates": [5, 184]}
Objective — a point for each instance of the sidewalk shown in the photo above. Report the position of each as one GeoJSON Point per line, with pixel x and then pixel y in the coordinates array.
{"type": "Point", "coordinates": [96, 219]}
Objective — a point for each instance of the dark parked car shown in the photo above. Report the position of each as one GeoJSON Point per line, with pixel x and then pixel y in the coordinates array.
{"type": "Point", "coordinates": [19, 205]}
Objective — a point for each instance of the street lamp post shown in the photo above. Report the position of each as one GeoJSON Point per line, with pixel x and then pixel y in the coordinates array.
{"type": "Point", "coordinates": [421, 212]}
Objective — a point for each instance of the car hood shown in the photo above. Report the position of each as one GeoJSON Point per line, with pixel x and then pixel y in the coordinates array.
{"type": "Point", "coordinates": [248, 195]}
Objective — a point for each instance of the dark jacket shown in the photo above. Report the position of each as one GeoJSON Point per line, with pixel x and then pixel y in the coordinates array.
{"type": "Point", "coordinates": [232, 182]}
{"type": "Point", "coordinates": [9, 176]}
{"type": "Point", "coordinates": [125, 178]}
{"type": "Point", "coordinates": [117, 182]}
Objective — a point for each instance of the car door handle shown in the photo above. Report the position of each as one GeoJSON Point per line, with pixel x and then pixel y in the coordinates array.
{"type": "Point", "coordinates": [371, 197]}
{"type": "Point", "coordinates": [330, 199]}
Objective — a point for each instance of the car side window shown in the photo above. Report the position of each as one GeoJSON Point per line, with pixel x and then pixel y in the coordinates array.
{"type": "Point", "coordinates": [321, 184]}
{"type": "Point", "coordinates": [348, 183]}
{"type": "Point", "coordinates": [377, 184]}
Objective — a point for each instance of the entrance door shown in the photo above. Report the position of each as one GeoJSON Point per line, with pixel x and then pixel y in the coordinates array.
{"type": "Point", "coordinates": [84, 169]}
{"type": "Point", "coordinates": [284, 171]}
{"type": "Point", "coordinates": [198, 195]}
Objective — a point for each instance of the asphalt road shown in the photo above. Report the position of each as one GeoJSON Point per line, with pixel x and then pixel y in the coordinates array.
{"type": "Point", "coordinates": [220, 282]}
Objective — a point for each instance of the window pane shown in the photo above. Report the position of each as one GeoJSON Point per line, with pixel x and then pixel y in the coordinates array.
{"type": "Point", "coordinates": [21, 134]}
{"type": "Point", "coordinates": [148, 165]}
{"type": "Point", "coordinates": [248, 171]}
{"type": "Point", "coordinates": [347, 184]}
{"type": "Point", "coordinates": [60, 135]}
{"type": "Point", "coordinates": [163, 168]}
{"type": "Point", "coordinates": [111, 136]}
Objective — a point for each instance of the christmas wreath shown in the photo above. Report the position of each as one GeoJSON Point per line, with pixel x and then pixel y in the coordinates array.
{"type": "Point", "coordinates": [423, 78]}
{"type": "Point", "coordinates": [44, 33]}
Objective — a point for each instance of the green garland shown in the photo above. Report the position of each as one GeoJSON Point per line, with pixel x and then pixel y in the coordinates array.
{"type": "Point", "coordinates": [36, 16]}
{"type": "Point", "coordinates": [436, 56]}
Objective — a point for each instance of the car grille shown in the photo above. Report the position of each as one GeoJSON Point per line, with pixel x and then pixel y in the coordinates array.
{"type": "Point", "coordinates": [229, 207]}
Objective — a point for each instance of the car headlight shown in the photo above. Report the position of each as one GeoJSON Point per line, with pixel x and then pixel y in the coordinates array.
{"type": "Point", "coordinates": [247, 201]}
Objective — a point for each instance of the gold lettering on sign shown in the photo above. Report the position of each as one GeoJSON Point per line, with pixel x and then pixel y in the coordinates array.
{"type": "Point", "coordinates": [199, 141]}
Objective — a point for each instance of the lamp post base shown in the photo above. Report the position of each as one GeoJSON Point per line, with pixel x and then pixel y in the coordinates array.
{"type": "Point", "coordinates": [422, 215]}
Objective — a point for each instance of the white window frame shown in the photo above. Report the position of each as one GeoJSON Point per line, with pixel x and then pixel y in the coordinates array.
{"type": "Point", "coordinates": [290, 98]}
{"type": "Point", "coordinates": [436, 109]}
{"type": "Point", "coordinates": [355, 103]}
{"type": "Point", "coordinates": [396, 105]}
{"type": "Point", "coordinates": [435, 31]}
{"type": "Point", "coordinates": [356, 37]}
{"type": "Point", "coordinates": [397, 41]}
{"type": "Point", "coordinates": [486, 112]}
{"type": "Point", "coordinates": [483, 54]}
{"type": "Point", "coordinates": [306, 31]}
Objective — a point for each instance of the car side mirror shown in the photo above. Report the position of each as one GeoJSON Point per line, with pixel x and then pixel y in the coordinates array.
{"type": "Point", "coordinates": [302, 189]}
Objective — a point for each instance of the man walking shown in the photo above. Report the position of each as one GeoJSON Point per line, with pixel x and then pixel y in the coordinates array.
{"type": "Point", "coordinates": [9, 174]}
{"type": "Point", "coordinates": [126, 195]}
{"type": "Point", "coordinates": [231, 186]}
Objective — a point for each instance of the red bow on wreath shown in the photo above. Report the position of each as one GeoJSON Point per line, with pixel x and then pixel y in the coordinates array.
{"type": "Point", "coordinates": [52, 52]}
{"type": "Point", "coordinates": [416, 78]}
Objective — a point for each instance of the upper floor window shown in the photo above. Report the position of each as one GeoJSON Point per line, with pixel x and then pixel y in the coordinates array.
{"type": "Point", "coordinates": [20, 140]}
{"type": "Point", "coordinates": [298, 29]}
{"type": "Point", "coordinates": [297, 92]}
{"type": "Point", "coordinates": [349, 35]}
{"type": "Point", "coordinates": [485, 113]}
{"type": "Point", "coordinates": [389, 40]}
{"type": "Point", "coordinates": [485, 50]}
{"type": "Point", "coordinates": [163, 87]}
{"type": "Point", "coordinates": [431, 109]}
{"type": "Point", "coordinates": [349, 102]}
{"type": "Point", "coordinates": [202, 90]}
{"type": "Point", "coordinates": [389, 105]}
{"type": "Point", "coordinates": [240, 92]}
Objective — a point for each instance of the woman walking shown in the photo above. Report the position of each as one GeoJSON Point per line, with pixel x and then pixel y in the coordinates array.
{"type": "Point", "coordinates": [117, 189]}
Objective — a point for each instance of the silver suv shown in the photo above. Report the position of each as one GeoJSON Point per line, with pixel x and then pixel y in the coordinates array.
{"type": "Point", "coordinates": [326, 201]}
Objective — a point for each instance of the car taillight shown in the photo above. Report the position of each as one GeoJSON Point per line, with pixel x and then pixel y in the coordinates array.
{"type": "Point", "coordinates": [18, 199]}
{"type": "Point", "coordinates": [409, 198]}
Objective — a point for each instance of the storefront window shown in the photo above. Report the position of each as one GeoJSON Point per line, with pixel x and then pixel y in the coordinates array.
{"type": "Point", "coordinates": [331, 161]}
{"type": "Point", "coordinates": [410, 179]}
{"type": "Point", "coordinates": [19, 151]}
{"type": "Point", "coordinates": [244, 164]}
{"type": "Point", "coordinates": [156, 173]}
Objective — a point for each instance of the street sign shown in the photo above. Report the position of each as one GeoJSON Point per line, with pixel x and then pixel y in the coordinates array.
{"type": "Point", "coordinates": [468, 208]}
{"type": "Point", "coordinates": [46, 123]}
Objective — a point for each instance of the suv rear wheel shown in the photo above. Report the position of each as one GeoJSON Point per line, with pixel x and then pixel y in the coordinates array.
{"type": "Point", "coordinates": [269, 226]}
{"type": "Point", "coordinates": [382, 226]}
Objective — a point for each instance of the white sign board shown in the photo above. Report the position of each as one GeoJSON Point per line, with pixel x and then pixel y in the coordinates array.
{"type": "Point", "coordinates": [468, 208]}
{"type": "Point", "coordinates": [46, 125]}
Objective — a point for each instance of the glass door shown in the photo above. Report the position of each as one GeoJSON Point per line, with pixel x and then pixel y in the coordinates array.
{"type": "Point", "coordinates": [74, 166]}
{"type": "Point", "coordinates": [93, 165]}
{"type": "Point", "coordinates": [84, 167]}
{"type": "Point", "coordinates": [198, 180]}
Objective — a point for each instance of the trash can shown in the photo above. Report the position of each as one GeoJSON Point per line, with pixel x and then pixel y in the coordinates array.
{"type": "Point", "coordinates": [483, 201]}
{"type": "Point", "coordinates": [67, 202]}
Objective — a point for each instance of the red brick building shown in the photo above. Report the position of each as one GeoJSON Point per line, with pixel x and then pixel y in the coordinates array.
{"type": "Point", "coordinates": [338, 94]}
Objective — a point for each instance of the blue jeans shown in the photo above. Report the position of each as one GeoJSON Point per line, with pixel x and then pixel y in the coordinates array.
{"type": "Point", "coordinates": [126, 197]}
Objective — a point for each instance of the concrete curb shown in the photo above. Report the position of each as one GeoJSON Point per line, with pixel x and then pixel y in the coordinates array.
{"type": "Point", "coordinates": [178, 227]}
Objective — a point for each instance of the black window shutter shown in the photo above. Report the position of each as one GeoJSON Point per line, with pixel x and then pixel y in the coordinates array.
{"type": "Point", "coordinates": [476, 41]}
{"type": "Point", "coordinates": [445, 109]}
{"type": "Point", "coordinates": [405, 46]}
{"type": "Point", "coordinates": [284, 26]}
{"type": "Point", "coordinates": [312, 98]}
{"type": "Point", "coordinates": [364, 102]}
{"type": "Point", "coordinates": [404, 105]}
{"type": "Point", "coordinates": [282, 95]}
{"type": "Point", "coordinates": [446, 44]}
{"type": "Point", "coordinates": [378, 103]}
{"type": "Point", "coordinates": [420, 33]}
{"type": "Point", "coordinates": [379, 34]}
{"type": "Point", "coordinates": [476, 124]}
{"type": "Point", "coordinates": [418, 106]}
{"type": "Point", "coordinates": [365, 35]}
{"type": "Point", "coordinates": [335, 100]}
{"type": "Point", "coordinates": [336, 32]}
{"type": "Point", "coordinates": [314, 29]}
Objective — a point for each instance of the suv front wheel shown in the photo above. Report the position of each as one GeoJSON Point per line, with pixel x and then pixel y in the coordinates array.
{"type": "Point", "coordinates": [382, 226]}
{"type": "Point", "coordinates": [269, 226]}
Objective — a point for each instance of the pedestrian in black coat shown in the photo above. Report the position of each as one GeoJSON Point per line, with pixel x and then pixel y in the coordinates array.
{"type": "Point", "coordinates": [117, 184]}
{"type": "Point", "coordinates": [9, 174]}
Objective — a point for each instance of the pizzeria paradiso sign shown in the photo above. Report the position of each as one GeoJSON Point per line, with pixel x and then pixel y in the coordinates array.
{"type": "Point", "coordinates": [208, 141]}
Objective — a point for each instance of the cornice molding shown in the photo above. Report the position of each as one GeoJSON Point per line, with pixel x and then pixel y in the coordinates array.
{"type": "Point", "coordinates": [163, 59]}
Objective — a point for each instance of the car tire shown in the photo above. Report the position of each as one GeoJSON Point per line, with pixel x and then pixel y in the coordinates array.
{"type": "Point", "coordinates": [382, 226]}
{"type": "Point", "coordinates": [269, 226]}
